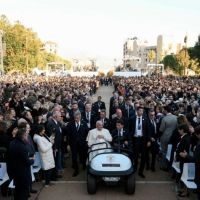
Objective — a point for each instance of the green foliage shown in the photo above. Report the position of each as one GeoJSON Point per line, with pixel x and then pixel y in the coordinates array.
{"type": "Point", "coordinates": [186, 58]}
{"type": "Point", "coordinates": [183, 59]}
{"type": "Point", "coordinates": [194, 52]}
{"type": "Point", "coordinates": [171, 62]}
{"type": "Point", "coordinates": [24, 48]}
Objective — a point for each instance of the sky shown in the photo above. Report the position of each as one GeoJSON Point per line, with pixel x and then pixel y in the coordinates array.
{"type": "Point", "coordinates": [98, 28]}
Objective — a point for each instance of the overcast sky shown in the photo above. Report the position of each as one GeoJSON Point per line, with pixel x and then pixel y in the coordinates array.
{"type": "Point", "coordinates": [98, 28]}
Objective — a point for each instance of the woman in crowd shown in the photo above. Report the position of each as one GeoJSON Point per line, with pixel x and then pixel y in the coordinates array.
{"type": "Point", "coordinates": [44, 145]}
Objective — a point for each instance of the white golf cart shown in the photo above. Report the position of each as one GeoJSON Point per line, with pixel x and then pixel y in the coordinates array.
{"type": "Point", "coordinates": [110, 165]}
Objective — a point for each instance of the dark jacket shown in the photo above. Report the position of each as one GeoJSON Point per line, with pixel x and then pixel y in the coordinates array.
{"type": "Point", "coordinates": [114, 121]}
{"type": "Point", "coordinates": [92, 119]}
{"type": "Point", "coordinates": [77, 136]}
{"type": "Point", "coordinates": [128, 112]}
{"type": "Point", "coordinates": [4, 144]}
{"type": "Point", "coordinates": [153, 131]}
{"type": "Point", "coordinates": [55, 129]}
{"type": "Point", "coordinates": [119, 140]}
{"type": "Point", "coordinates": [183, 145]}
{"type": "Point", "coordinates": [19, 163]}
{"type": "Point", "coordinates": [98, 105]}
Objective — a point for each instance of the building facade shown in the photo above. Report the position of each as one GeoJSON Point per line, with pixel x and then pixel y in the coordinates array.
{"type": "Point", "coordinates": [137, 54]}
{"type": "Point", "coordinates": [84, 65]}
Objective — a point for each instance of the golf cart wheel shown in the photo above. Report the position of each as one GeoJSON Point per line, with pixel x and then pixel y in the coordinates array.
{"type": "Point", "coordinates": [91, 184]}
{"type": "Point", "coordinates": [130, 184]}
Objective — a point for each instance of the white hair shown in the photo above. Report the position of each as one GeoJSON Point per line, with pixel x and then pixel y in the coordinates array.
{"type": "Point", "coordinates": [99, 122]}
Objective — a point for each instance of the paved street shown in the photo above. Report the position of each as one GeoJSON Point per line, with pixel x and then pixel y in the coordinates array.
{"type": "Point", "coordinates": [156, 186]}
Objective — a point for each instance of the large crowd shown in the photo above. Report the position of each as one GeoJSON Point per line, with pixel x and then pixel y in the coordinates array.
{"type": "Point", "coordinates": [56, 117]}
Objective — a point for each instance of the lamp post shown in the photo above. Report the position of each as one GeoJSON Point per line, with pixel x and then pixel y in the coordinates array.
{"type": "Point", "coordinates": [185, 41]}
{"type": "Point", "coordinates": [1, 51]}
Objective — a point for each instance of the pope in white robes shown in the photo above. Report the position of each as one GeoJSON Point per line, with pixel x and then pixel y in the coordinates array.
{"type": "Point", "coordinates": [98, 135]}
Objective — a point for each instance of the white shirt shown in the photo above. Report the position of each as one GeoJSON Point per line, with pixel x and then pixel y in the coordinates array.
{"type": "Point", "coordinates": [138, 132]}
{"type": "Point", "coordinates": [88, 117]}
{"type": "Point", "coordinates": [120, 132]}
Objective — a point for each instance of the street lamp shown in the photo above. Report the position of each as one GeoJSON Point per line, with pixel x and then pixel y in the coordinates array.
{"type": "Point", "coordinates": [185, 41]}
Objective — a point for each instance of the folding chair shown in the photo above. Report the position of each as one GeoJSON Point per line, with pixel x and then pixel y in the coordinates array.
{"type": "Point", "coordinates": [3, 173]}
{"type": "Point", "coordinates": [169, 150]}
{"type": "Point", "coordinates": [188, 175]}
{"type": "Point", "coordinates": [176, 165]}
{"type": "Point", "coordinates": [37, 163]}
{"type": "Point", "coordinates": [12, 186]}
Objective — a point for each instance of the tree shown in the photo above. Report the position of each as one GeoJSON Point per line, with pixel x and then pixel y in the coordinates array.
{"type": "Point", "coordinates": [183, 59]}
{"type": "Point", "coordinates": [170, 61]}
{"type": "Point", "coordinates": [194, 65]}
{"type": "Point", "coordinates": [151, 55]}
{"type": "Point", "coordinates": [194, 52]}
{"type": "Point", "coordinates": [23, 48]}
{"type": "Point", "coordinates": [110, 73]}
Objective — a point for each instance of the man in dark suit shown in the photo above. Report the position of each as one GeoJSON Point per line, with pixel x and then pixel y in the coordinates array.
{"type": "Point", "coordinates": [127, 109]}
{"type": "Point", "coordinates": [19, 164]}
{"type": "Point", "coordinates": [104, 119]}
{"type": "Point", "coordinates": [139, 130]}
{"type": "Point", "coordinates": [121, 137]}
{"type": "Point", "coordinates": [89, 117]}
{"type": "Point", "coordinates": [115, 96]}
{"type": "Point", "coordinates": [54, 129]}
{"type": "Point", "coordinates": [74, 108]}
{"type": "Point", "coordinates": [121, 102]}
{"type": "Point", "coordinates": [119, 116]}
{"type": "Point", "coordinates": [77, 131]}
{"type": "Point", "coordinates": [98, 106]}
{"type": "Point", "coordinates": [153, 134]}
{"type": "Point", "coordinates": [184, 143]}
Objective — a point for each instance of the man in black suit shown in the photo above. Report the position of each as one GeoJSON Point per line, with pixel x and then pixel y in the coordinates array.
{"type": "Point", "coordinates": [184, 144]}
{"type": "Point", "coordinates": [104, 119]}
{"type": "Point", "coordinates": [119, 116]}
{"type": "Point", "coordinates": [19, 164]}
{"type": "Point", "coordinates": [98, 106]}
{"type": "Point", "coordinates": [139, 130]}
{"type": "Point", "coordinates": [77, 131]}
{"type": "Point", "coordinates": [128, 111]}
{"type": "Point", "coordinates": [89, 117]}
{"type": "Point", "coordinates": [115, 96]}
{"type": "Point", "coordinates": [121, 137]}
{"type": "Point", "coordinates": [54, 130]}
{"type": "Point", "coordinates": [121, 102]}
{"type": "Point", "coordinates": [153, 134]}
{"type": "Point", "coordinates": [74, 108]}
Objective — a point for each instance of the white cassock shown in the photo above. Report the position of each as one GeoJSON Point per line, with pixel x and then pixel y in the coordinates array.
{"type": "Point", "coordinates": [92, 138]}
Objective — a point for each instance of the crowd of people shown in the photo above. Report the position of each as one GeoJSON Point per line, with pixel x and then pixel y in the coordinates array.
{"type": "Point", "coordinates": [49, 115]}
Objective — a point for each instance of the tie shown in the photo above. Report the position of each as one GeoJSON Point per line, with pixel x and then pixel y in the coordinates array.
{"type": "Point", "coordinates": [87, 116]}
{"type": "Point", "coordinates": [128, 111]}
{"type": "Point", "coordinates": [119, 133]}
{"type": "Point", "coordinates": [139, 125]}
{"type": "Point", "coordinates": [77, 126]}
